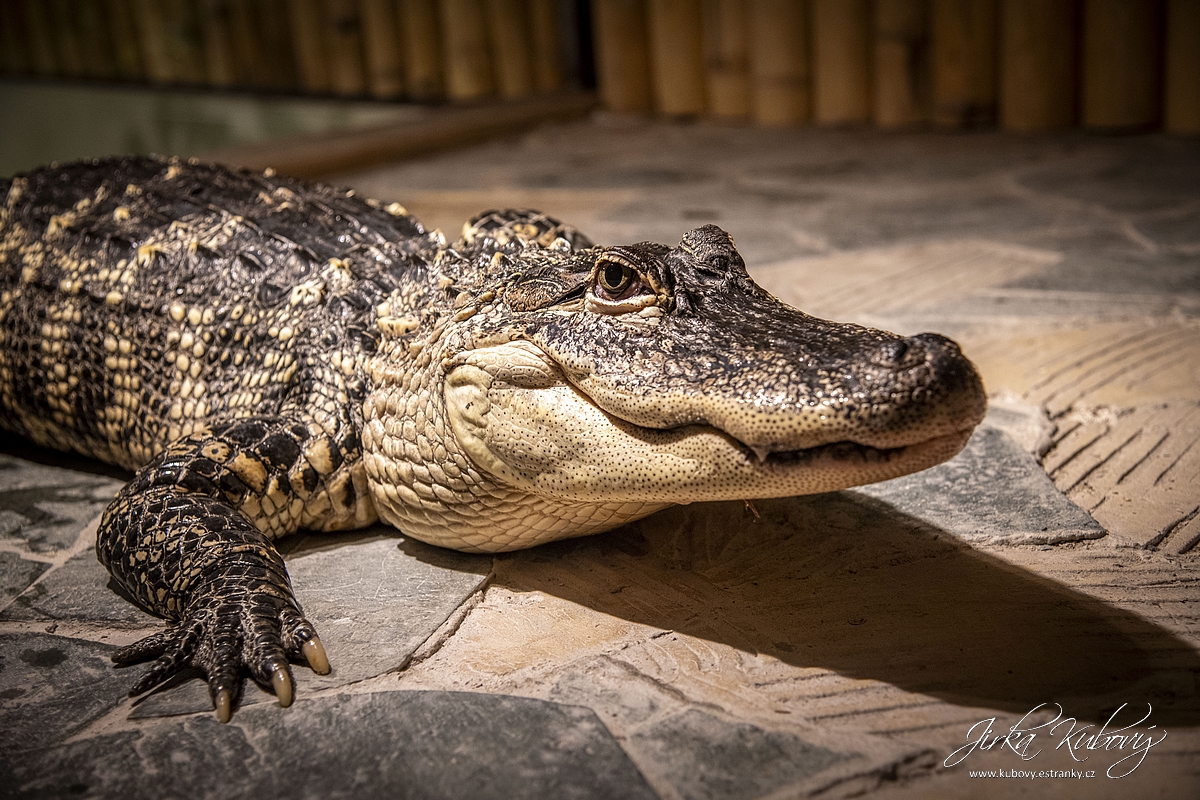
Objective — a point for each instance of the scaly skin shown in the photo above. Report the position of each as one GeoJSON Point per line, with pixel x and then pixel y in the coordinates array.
{"type": "Point", "coordinates": [270, 355]}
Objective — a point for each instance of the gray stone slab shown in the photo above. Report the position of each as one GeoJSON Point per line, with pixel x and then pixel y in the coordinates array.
{"type": "Point", "coordinates": [374, 599]}
{"type": "Point", "coordinates": [46, 510]}
{"type": "Point", "coordinates": [1122, 212]}
{"type": "Point", "coordinates": [385, 744]}
{"type": "Point", "coordinates": [613, 690]}
{"type": "Point", "coordinates": [699, 755]}
{"type": "Point", "coordinates": [17, 574]}
{"type": "Point", "coordinates": [24, 465]}
{"type": "Point", "coordinates": [993, 492]}
{"type": "Point", "coordinates": [1141, 176]}
{"type": "Point", "coordinates": [1105, 263]}
{"type": "Point", "coordinates": [77, 591]}
{"type": "Point", "coordinates": [51, 686]}
{"type": "Point", "coordinates": [707, 758]}
{"type": "Point", "coordinates": [921, 214]}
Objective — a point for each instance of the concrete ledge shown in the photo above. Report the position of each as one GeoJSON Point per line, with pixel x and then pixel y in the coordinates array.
{"type": "Point", "coordinates": [321, 155]}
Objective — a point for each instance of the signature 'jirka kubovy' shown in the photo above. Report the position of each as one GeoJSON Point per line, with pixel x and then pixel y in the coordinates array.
{"type": "Point", "coordinates": [271, 355]}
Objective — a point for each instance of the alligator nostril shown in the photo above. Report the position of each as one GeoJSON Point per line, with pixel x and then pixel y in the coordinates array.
{"type": "Point", "coordinates": [892, 353]}
{"type": "Point", "coordinates": [895, 350]}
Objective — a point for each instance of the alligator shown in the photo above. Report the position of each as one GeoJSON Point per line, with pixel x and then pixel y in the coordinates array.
{"type": "Point", "coordinates": [268, 355]}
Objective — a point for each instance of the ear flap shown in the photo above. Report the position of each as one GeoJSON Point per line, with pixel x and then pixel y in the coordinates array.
{"type": "Point", "coordinates": [544, 287]}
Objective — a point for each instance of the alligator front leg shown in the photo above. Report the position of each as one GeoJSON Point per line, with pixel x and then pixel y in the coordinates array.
{"type": "Point", "coordinates": [186, 540]}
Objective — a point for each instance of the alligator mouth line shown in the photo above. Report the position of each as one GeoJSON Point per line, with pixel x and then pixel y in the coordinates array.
{"type": "Point", "coordinates": [836, 451]}
{"type": "Point", "coordinates": [520, 419]}
{"type": "Point", "coordinates": [845, 451]}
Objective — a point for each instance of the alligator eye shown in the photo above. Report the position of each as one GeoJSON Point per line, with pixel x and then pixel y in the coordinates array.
{"type": "Point", "coordinates": [616, 281]}
{"type": "Point", "coordinates": [615, 278]}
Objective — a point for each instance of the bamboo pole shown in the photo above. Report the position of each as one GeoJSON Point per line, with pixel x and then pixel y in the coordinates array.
{"type": "Point", "coordinates": [1037, 65]}
{"type": "Point", "coordinates": [779, 63]}
{"type": "Point", "coordinates": [184, 42]}
{"type": "Point", "coordinates": [422, 37]}
{"type": "Point", "coordinates": [171, 41]}
{"type": "Point", "coordinates": [309, 44]}
{"type": "Point", "coordinates": [275, 52]}
{"type": "Point", "coordinates": [1181, 106]}
{"type": "Point", "coordinates": [622, 54]}
{"type": "Point", "coordinates": [1121, 60]}
{"type": "Point", "coordinates": [152, 35]}
{"type": "Point", "coordinates": [215, 25]}
{"type": "Point", "coordinates": [123, 31]}
{"type": "Point", "coordinates": [244, 36]}
{"type": "Point", "coordinates": [512, 51]}
{"type": "Point", "coordinates": [63, 25]}
{"type": "Point", "coordinates": [963, 63]}
{"type": "Point", "coordinates": [465, 45]}
{"type": "Point", "coordinates": [901, 66]}
{"type": "Point", "coordinates": [41, 42]}
{"type": "Point", "coordinates": [727, 57]}
{"type": "Point", "coordinates": [381, 47]}
{"type": "Point", "coordinates": [14, 40]}
{"type": "Point", "coordinates": [343, 44]}
{"type": "Point", "coordinates": [842, 57]}
{"type": "Point", "coordinates": [545, 34]}
{"type": "Point", "coordinates": [95, 39]}
{"type": "Point", "coordinates": [677, 56]}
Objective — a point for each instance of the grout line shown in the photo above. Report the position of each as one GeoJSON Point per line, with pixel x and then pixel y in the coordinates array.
{"type": "Point", "coordinates": [1170, 529]}
{"type": "Point", "coordinates": [1103, 461]}
{"type": "Point", "coordinates": [1060, 467]}
{"type": "Point", "coordinates": [1171, 466]}
{"type": "Point", "coordinates": [450, 626]}
{"type": "Point", "coordinates": [1143, 459]}
{"type": "Point", "coordinates": [1128, 341]}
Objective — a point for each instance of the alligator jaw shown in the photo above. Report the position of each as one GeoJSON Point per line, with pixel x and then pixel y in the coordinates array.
{"type": "Point", "coordinates": [530, 458]}
{"type": "Point", "coordinates": [853, 452]}
{"type": "Point", "coordinates": [515, 416]}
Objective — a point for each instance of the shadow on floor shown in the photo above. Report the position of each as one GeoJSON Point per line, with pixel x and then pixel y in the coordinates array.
{"type": "Point", "coordinates": [850, 584]}
{"type": "Point", "coordinates": [20, 447]}
{"type": "Point", "coordinates": [847, 583]}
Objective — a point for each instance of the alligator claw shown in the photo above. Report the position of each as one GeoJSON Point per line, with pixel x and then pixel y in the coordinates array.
{"type": "Point", "coordinates": [223, 703]}
{"type": "Point", "coordinates": [314, 653]}
{"type": "Point", "coordinates": [281, 682]}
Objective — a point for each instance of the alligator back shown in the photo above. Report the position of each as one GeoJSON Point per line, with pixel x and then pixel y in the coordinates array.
{"type": "Point", "coordinates": [141, 299]}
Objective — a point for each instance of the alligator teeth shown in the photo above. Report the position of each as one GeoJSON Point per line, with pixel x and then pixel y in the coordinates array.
{"type": "Point", "coordinates": [761, 452]}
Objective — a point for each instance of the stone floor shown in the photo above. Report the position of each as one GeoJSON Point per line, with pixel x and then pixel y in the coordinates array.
{"type": "Point", "coordinates": [838, 645]}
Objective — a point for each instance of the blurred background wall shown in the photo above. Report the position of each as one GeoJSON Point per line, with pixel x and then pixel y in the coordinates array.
{"type": "Point", "coordinates": [1021, 65]}
{"type": "Point", "coordinates": [390, 49]}
{"type": "Point", "coordinates": [1017, 65]}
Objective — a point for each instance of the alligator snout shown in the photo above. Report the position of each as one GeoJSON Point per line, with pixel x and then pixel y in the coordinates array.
{"type": "Point", "coordinates": [951, 371]}
{"type": "Point", "coordinates": [925, 364]}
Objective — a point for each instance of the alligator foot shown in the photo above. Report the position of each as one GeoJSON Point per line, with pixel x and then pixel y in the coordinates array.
{"type": "Point", "coordinates": [221, 639]}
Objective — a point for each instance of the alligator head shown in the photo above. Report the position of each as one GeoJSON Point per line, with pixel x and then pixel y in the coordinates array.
{"type": "Point", "coordinates": [569, 390]}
